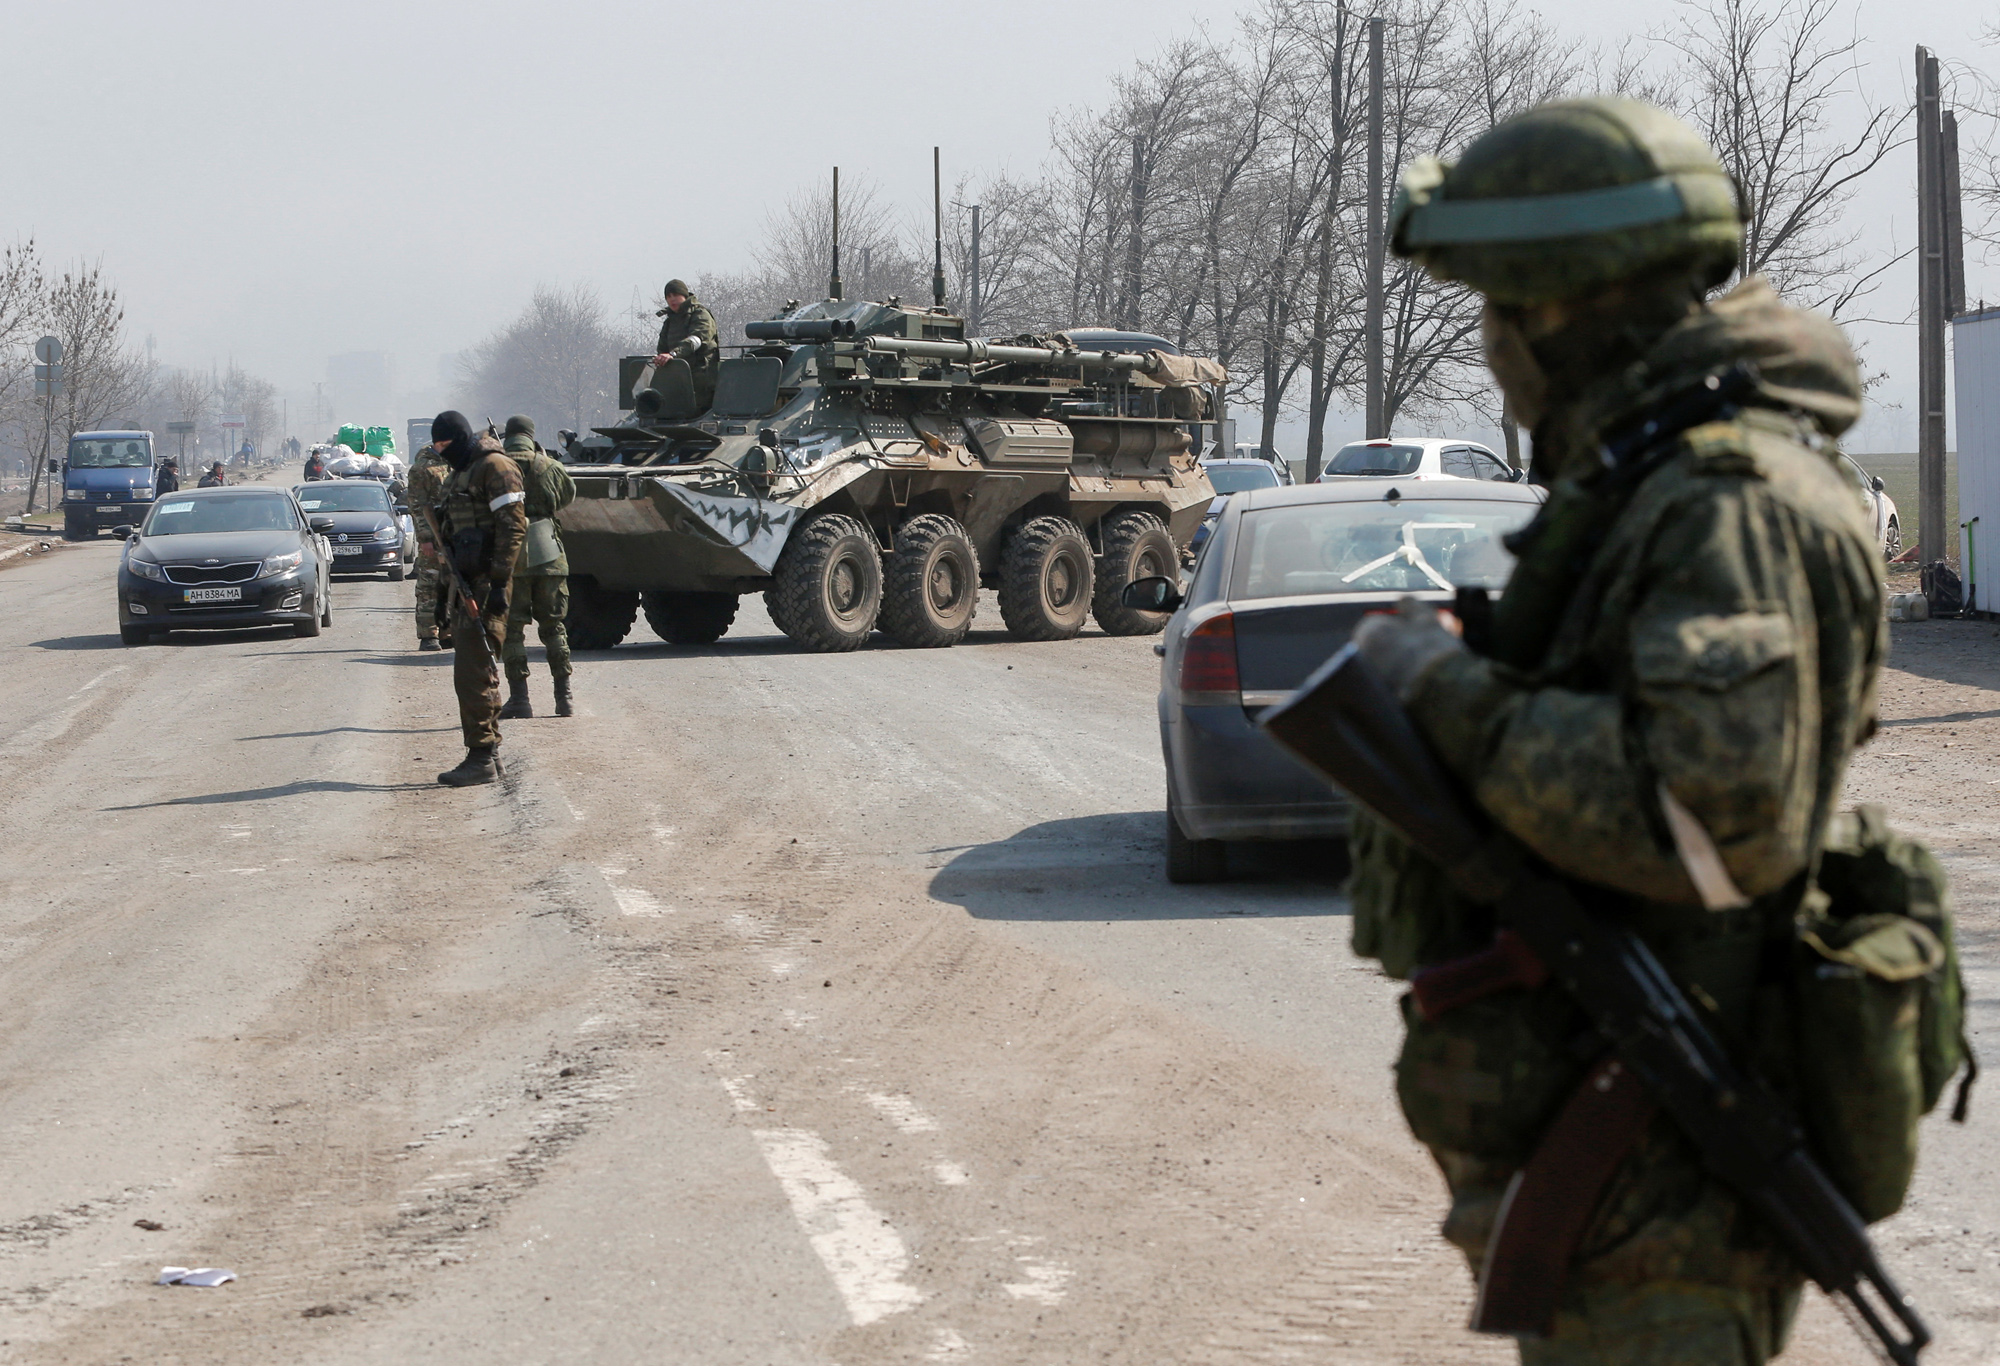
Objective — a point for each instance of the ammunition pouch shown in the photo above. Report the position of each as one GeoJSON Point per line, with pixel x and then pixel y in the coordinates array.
{"type": "Point", "coordinates": [471, 552]}
{"type": "Point", "coordinates": [1878, 1008]}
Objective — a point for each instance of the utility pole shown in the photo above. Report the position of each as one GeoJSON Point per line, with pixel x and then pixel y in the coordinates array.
{"type": "Point", "coordinates": [1378, 421]}
{"type": "Point", "coordinates": [1940, 287]}
{"type": "Point", "coordinates": [973, 322]}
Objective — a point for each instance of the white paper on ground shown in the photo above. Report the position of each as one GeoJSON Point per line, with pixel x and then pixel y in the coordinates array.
{"type": "Point", "coordinates": [201, 1275]}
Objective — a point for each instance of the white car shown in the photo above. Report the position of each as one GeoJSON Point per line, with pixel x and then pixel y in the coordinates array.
{"type": "Point", "coordinates": [1881, 508]}
{"type": "Point", "coordinates": [1420, 457]}
{"type": "Point", "coordinates": [1249, 450]}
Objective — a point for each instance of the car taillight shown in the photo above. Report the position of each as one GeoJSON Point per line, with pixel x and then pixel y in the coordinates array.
{"type": "Point", "coordinates": [1208, 661]}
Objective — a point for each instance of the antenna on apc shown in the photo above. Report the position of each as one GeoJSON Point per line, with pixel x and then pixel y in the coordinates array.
{"type": "Point", "coordinates": [833, 285]}
{"type": "Point", "coordinates": [937, 230]}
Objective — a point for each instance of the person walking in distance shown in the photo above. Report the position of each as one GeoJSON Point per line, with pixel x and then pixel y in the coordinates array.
{"type": "Point", "coordinates": [426, 486]}
{"type": "Point", "coordinates": [541, 576]}
{"type": "Point", "coordinates": [168, 480]}
{"type": "Point", "coordinates": [1661, 706]}
{"type": "Point", "coordinates": [213, 479]}
{"type": "Point", "coordinates": [481, 523]}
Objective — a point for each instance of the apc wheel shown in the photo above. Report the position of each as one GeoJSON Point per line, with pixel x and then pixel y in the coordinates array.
{"type": "Point", "coordinates": [1136, 546]}
{"type": "Point", "coordinates": [689, 618]}
{"type": "Point", "coordinates": [598, 617]}
{"type": "Point", "coordinates": [829, 585]}
{"type": "Point", "coordinates": [930, 589]}
{"type": "Point", "coordinates": [1892, 542]}
{"type": "Point", "coordinates": [1192, 860]}
{"type": "Point", "coordinates": [1045, 578]}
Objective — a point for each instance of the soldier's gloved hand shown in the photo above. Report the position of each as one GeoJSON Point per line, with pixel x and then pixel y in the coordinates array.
{"type": "Point", "coordinates": [1403, 645]}
{"type": "Point", "coordinates": [496, 601]}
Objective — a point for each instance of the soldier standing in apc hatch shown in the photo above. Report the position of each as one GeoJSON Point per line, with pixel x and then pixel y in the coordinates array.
{"type": "Point", "coordinates": [688, 333]}
{"type": "Point", "coordinates": [1681, 664]}
{"type": "Point", "coordinates": [482, 523]}
{"type": "Point", "coordinates": [541, 575]}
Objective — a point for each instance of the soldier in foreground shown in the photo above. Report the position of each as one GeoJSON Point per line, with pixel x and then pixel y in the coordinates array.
{"type": "Point", "coordinates": [541, 576]}
{"type": "Point", "coordinates": [481, 523]}
{"type": "Point", "coordinates": [425, 487]}
{"type": "Point", "coordinates": [1662, 706]}
{"type": "Point", "coordinates": [688, 333]}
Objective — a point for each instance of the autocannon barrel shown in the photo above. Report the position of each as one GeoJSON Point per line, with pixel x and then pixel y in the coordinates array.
{"type": "Point", "coordinates": [806, 330]}
{"type": "Point", "coordinates": [972, 352]}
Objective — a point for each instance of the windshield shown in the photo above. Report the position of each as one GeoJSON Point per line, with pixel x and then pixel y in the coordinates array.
{"type": "Point", "coordinates": [1402, 547]}
{"type": "Point", "coordinates": [1238, 478]}
{"type": "Point", "coordinates": [98, 453]}
{"type": "Point", "coordinates": [331, 497]}
{"type": "Point", "coordinates": [1364, 458]}
{"type": "Point", "coordinates": [243, 512]}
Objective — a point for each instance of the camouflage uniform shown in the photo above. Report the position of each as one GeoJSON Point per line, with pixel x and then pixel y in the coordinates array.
{"type": "Point", "coordinates": [483, 503]}
{"type": "Point", "coordinates": [426, 480]}
{"type": "Point", "coordinates": [1720, 643]}
{"type": "Point", "coordinates": [691, 335]}
{"type": "Point", "coordinates": [540, 591]}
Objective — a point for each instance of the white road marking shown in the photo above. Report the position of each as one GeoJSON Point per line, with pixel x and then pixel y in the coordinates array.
{"type": "Point", "coordinates": [631, 900]}
{"type": "Point", "coordinates": [114, 669]}
{"type": "Point", "coordinates": [246, 870]}
{"type": "Point", "coordinates": [861, 1250]}
{"type": "Point", "coordinates": [902, 1112]}
{"type": "Point", "coordinates": [1045, 1282]}
{"type": "Point", "coordinates": [947, 1345]}
{"type": "Point", "coordinates": [950, 1173]}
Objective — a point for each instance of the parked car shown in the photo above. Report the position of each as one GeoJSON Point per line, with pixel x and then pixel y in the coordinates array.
{"type": "Point", "coordinates": [1418, 458]}
{"type": "Point", "coordinates": [1231, 476]}
{"type": "Point", "coordinates": [1284, 577]}
{"type": "Point", "coordinates": [107, 481]}
{"type": "Point", "coordinates": [1881, 507]}
{"type": "Point", "coordinates": [224, 557]}
{"type": "Point", "coordinates": [369, 533]}
{"type": "Point", "coordinates": [1250, 450]}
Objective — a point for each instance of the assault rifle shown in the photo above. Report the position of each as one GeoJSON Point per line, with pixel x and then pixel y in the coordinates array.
{"type": "Point", "coordinates": [463, 590]}
{"type": "Point", "coordinates": [1659, 1052]}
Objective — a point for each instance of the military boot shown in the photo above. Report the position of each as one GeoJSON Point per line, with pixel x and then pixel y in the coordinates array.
{"type": "Point", "coordinates": [517, 705]}
{"type": "Point", "coordinates": [428, 643]}
{"type": "Point", "coordinates": [564, 706]}
{"type": "Point", "coordinates": [480, 765]}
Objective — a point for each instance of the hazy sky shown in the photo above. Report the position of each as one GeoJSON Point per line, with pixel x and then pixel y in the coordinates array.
{"type": "Point", "coordinates": [283, 182]}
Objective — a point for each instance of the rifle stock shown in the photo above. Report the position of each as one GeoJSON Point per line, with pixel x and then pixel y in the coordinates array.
{"type": "Point", "coordinates": [1345, 723]}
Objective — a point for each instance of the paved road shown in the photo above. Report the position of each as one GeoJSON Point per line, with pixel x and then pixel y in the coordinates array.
{"type": "Point", "coordinates": [777, 1008]}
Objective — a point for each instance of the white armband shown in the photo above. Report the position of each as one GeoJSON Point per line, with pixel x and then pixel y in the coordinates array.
{"type": "Point", "coordinates": [506, 498]}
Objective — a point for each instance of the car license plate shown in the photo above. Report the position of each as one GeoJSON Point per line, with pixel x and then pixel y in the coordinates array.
{"type": "Point", "coordinates": [347, 550]}
{"type": "Point", "coordinates": [108, 507]}
{"type": "Point", "coordinates": [231, 594]}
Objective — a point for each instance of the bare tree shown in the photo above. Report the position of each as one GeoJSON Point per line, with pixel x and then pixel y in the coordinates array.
{"type": "Point", "coordinates": [23, 290]}
{"type": "Point", "coordinates": [1772, 87]}
{"type": "Point", "coordinates": [557, 362]}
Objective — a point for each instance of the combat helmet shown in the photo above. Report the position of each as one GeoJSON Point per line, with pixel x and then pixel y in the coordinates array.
{"type": "Point", "coordinates": [1569, 197]}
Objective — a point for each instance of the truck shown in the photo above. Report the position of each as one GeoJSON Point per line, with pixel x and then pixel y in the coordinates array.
{"type": "Point", "coordinates": [107, 481]}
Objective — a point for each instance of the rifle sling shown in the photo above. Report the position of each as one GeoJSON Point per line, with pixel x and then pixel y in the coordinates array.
{"type": "Point", "coordinates": [1550, 1201]}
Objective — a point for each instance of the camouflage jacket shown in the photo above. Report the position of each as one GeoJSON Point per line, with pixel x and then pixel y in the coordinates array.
{"type": "Point", "coordinates": [1720, 644]}
{"type": "Point", "coordinates": [425, 488]}
{"type": "Point", "coordinates": [486, 498]}
{"type": "Point", "coordinates": [694, 321]}
{"type": "Point", "coordinates": [549, 489]}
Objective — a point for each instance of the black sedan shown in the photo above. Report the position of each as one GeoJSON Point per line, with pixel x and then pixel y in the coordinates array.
{"type": "Point", "coordinates": [1280, 584]}
{"type": "Point", "coordinates": [224, 557]}
{"type": "Point", "coordinates": [367, 531]}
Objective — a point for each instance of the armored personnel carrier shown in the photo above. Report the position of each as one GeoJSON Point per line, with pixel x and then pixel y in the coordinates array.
{"type": "Point", "coordinates": [867, 466]}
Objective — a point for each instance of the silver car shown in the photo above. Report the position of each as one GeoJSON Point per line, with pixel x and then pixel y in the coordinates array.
{"type": "Point", "coordinates": [1279, 586]}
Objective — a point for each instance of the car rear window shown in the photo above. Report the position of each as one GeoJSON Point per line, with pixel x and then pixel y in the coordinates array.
{"type": "Point", "coordinates": [328, 495]}
{"type": "Point", "coordinates": [1410, 546]}
{"type": "Point", "coordinates": [1238, 478]}
{"type": "Point", "coordinates": [1365, 457]}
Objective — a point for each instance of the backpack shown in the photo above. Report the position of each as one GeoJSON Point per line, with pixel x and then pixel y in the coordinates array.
{"type": "Point", "coordinates": [1878, 1007]}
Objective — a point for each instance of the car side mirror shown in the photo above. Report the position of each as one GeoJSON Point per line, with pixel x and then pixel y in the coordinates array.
{"type": "Point", "coordinates": [1877, 484]}
{"type": "Point", "coordinates": [124, 531]}
{"type": "Point", "coordinates": [321, 524]}
{"type": "Point", "coordinates": [1154, 594]}
{"type": "Point", "coordinates": [402, 511]}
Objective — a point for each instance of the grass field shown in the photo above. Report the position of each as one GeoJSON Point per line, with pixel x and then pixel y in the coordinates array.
{"type": "Point", "coordinates": [1899, 472]}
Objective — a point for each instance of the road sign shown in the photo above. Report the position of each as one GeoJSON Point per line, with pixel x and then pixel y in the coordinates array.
{"type": "Point", "coordinates": [232, 422]}
{"type": "Point", "coordinates": [48, 351]}
{"type": "Point", "coordinates": [49, 373]}
{"type": "Point", "coordinates": [180, 428]}
{"type": "Point", "coordinates": [48, 388]}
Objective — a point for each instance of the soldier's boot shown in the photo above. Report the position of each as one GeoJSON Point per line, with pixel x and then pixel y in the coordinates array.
{"type": "Point", "coordinates": [564, 706]}
{"type": "Point", "coordinates": [480, 765]}
{"type": "Point", "coordinates": [428, 643]}
{"type": "Point", "coordinates": [517, 705]}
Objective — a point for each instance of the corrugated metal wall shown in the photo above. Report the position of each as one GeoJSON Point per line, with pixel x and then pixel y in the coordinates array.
{"type": "Point", "coordinates": [1976, 378]}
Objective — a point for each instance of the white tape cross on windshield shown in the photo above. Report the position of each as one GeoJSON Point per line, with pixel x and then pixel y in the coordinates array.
{"type": "Point", "coordinates": [506, 498]}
